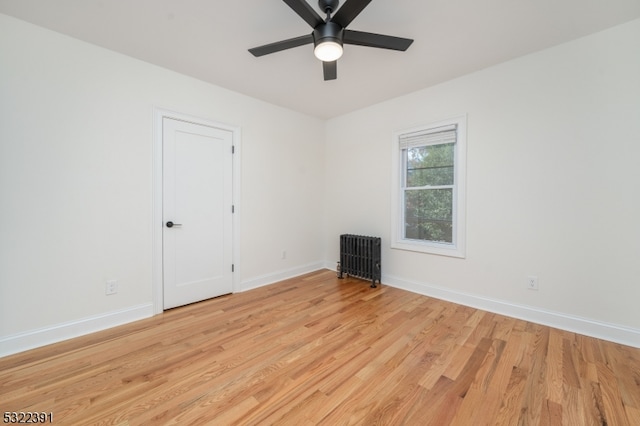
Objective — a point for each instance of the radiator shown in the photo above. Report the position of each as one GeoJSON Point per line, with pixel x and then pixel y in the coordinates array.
{"type": "Point", "coordinates": [360, 257]}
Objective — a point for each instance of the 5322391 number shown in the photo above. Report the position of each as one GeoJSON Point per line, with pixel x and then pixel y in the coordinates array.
{"type": "Point", "coordinates": [27, 417]}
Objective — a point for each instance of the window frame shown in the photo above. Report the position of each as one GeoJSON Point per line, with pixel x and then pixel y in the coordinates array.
{"type": "Point", "coordinates": [457, 248]}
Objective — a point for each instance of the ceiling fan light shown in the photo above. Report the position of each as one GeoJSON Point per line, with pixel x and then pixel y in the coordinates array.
{"type": "Point", "coordinates": [328, 51]}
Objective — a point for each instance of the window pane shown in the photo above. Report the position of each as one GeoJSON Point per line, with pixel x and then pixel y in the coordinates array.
{"type": "Point", "coordinates": [428, 215]}
{"type": "Point", "coordinates": [430, 165]}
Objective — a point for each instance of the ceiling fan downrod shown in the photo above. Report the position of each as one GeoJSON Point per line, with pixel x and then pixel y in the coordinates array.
{"type": "Point", "coordinates": [328, 6]}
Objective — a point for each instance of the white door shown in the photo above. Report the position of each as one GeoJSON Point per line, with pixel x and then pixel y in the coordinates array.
{"type": "Point", "coordinates": [197, 212]}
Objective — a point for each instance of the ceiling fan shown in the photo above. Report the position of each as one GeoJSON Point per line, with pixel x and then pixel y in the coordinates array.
{"type": "Point", "coordinates": [330, 34]}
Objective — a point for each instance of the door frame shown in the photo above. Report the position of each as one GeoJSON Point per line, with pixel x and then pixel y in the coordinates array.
{"type": "Point", "coordinates": [159, 115]}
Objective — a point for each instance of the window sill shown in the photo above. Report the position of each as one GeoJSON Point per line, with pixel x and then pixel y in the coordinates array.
{"type": "Point", "coordinates": [449, 250]}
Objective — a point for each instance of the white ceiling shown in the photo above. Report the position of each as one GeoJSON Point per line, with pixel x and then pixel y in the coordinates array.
{"type": "Point", "coordinates": [208, 39]}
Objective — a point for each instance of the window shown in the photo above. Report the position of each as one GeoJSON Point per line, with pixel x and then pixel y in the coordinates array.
{"type": "Point", "coordinates": [428, 200]}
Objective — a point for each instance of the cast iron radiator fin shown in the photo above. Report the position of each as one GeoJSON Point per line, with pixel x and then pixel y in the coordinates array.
{"type": "Point", "coordinates": [360, 257]}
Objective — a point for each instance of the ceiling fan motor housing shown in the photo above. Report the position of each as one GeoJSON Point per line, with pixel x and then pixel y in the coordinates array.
{"type": "Point", "coordinates": [329, 31]}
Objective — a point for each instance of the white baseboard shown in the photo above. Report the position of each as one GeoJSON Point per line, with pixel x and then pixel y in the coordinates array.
{"type": "Point", "coordinates": [279, 276]}
{"type": "Point", "coordinates": [601, 330]}
{"type": "Point", "coordinates": [44, 336]}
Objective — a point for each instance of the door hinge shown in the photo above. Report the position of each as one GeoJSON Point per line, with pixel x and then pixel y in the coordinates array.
{"type": "Point", "coordinates": [233, 149]}
{"type": "Point", "coordinates": [233, 208]}
{"type": "Point", "coordinates": [233, 267]}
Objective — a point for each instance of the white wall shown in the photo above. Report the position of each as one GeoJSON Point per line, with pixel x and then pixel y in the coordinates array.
{"type": "Point", "coordinates": [553, 185]}
{"type": "Point", "coordinates": [76, 127]}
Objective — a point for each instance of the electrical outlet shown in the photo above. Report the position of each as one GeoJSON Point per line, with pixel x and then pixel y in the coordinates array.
{"type": "Point", "coordinates": [111, 287]}
{"type": "Point", "coordinates": [284, 254]}
{"type": "Point", "coordinates": [532, 282]}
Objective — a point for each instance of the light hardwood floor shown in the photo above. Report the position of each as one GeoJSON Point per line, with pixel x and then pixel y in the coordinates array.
{"type": "Point", "coordinates": [318, 350]}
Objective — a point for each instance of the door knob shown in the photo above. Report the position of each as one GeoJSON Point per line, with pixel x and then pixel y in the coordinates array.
{"type": "Point", "coordinates": [171, 224]}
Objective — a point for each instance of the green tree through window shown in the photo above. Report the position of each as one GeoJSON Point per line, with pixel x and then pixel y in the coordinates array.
{"type": "Point", "coordinates": [428, 193]}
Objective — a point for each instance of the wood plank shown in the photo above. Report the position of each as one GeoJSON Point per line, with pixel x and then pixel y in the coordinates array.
{"type": "Point", "coordinates": [554, 367]}
{"type": "Point", "coordinates": [551, 413]}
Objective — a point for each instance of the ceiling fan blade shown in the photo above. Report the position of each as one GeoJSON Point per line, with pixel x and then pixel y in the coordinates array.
{"type": "Point", "coordinates": [361, 38]}
{"type": "Point", "coordinates": [305, 11]}
{"type": "Point", "coordinates": [330, 70]}
{"type": "Point", "coordinates": [349, 11]}
{"type": "Point", "coordinates": [281, 45]}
